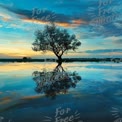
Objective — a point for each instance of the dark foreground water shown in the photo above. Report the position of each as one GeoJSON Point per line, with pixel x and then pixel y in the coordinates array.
{"type": "Point", "coordinates": [73, 92]}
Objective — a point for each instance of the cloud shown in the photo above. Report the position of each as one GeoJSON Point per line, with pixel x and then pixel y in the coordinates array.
{"type": "Point", "coordinates": [4, 14]}
{"type": "Point", "coordinates": [106, 28]}
{"type": "Point", "coordinates": [118, 24]}
{"type": "Point", "coordinates": [115, 39]}
{"type": "Point", "coordinates": [74, 23]}
{"type": "Point", "coordinates": [1, 26]}
{"type": "Point", "coordinates": [44, 16]}
{"type": "Point", "coordinates": [104, 51]}
{"type": "Point", "coordinates": [119, 41]}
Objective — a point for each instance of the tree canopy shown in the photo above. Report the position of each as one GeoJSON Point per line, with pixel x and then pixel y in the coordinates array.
{"type": "Point", "coordinates": [56, 40]}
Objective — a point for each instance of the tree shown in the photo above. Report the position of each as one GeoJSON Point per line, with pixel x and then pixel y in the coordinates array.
{"type": "Point", "coordinates": [25, 58]}
{"type": "Point", "coordinates": [55, 82]}
{"type": "Point", "coordinates": [56, 40]}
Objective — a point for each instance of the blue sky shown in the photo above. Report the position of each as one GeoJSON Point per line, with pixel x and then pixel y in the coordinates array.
{"type": "Point", "coordinates": [96, 23]}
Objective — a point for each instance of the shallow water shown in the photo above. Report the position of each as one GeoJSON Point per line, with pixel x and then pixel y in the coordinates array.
{"type": "Point", "coordinates": [95, 96]}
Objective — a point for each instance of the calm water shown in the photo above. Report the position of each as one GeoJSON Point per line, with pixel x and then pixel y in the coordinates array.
{"type": "Point", "coordinates": [86, 92]}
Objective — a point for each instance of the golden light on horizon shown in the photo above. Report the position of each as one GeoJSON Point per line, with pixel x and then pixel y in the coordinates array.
{"type": "Point", "coordinates": [21, 52]}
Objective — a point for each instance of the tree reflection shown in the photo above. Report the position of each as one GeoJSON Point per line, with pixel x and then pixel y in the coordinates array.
{"type": "Point", "coordinates": [55, 82]}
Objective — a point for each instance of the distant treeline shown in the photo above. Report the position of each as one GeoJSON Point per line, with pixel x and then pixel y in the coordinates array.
{"type": "Point", "coordinates": [116, 60]}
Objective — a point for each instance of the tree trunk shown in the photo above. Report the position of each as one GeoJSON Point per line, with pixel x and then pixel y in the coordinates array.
{"type": "Point", "coordinates": [59, 59]}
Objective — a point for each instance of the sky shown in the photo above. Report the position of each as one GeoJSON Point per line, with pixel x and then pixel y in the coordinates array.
{"type": "Point", "coordinates": [96, 23]}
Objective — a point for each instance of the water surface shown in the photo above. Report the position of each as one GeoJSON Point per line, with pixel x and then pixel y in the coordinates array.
{"type": "Point", "coordinates": [94, 95]}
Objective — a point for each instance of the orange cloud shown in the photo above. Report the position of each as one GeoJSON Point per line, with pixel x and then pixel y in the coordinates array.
{"type": "Point", "coordinates": [5, 100]}
{"type": "Point", "coordinates": [78, 22]}
{"type": "Point", "coordinates": [63, 24]}
{"type": "Point", "coordinates": [5, 16]}
{"type": "Point", "coordinates": [74, 23]}
{"type": "Point", "coordinates": [31, 97]}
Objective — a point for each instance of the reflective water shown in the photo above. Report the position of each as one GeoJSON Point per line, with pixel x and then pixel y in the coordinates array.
{"type": "Point", "coordinates": [77, 92]}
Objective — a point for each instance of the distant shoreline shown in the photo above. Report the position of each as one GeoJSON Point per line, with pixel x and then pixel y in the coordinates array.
{"type": "Point", "coordinates": [116, 60]}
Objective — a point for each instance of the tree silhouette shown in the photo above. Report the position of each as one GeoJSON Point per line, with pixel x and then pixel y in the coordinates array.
{"type": "Point", "coordinates": [55, 82]}
{"type": "Point", "coordinates": [56, 40]}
